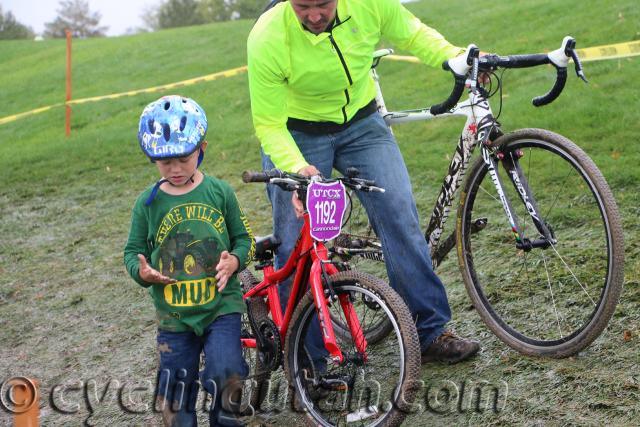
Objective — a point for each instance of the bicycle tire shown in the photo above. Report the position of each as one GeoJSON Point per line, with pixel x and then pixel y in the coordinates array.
{"type": "Point", "coordinates": [259, 375]}
{"type": "Point", "coordinates": [403, 335]}
{"type": "Point", "coordinates": [580, 276]}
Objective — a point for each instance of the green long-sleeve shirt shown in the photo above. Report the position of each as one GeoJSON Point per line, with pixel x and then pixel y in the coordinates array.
{"type": "Point", "coordinates": [183, 237]}
{"type": "Point", "coordinates": [325, 77]}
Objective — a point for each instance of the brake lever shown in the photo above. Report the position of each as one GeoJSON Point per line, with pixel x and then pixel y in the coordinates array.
{"type": "Point", "coordinates": [472, 81]}
{"type": "Point", "coordinates": [578, 64]}
{"type": "Point", "coordinates": [362, 181]}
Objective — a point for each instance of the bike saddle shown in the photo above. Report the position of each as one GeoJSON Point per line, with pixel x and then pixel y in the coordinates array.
{"type": "Point", "coordinates": [265, 246]}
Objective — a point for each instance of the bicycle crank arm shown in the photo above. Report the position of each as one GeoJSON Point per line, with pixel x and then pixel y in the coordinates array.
{"type": "Point", "coordinates": [339, 383]}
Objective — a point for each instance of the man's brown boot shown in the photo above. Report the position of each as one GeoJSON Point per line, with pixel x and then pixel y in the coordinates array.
{"type": "Point", "coordinates": [449, 348]}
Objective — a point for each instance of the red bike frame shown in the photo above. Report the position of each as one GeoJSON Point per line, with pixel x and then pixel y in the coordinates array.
{"type": "Point", "coordinates": [307, 250]}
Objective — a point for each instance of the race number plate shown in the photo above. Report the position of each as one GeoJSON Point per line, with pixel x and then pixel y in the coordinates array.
{"type": "Point", "coordinates": [326, 204]}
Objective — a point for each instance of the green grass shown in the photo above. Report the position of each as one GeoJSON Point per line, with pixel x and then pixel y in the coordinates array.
{"type": "Point", "coordinates": [70, 312]}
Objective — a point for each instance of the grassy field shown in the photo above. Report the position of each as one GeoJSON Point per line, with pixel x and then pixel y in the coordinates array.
{"type": "Point", "coordinates": [69, 313]}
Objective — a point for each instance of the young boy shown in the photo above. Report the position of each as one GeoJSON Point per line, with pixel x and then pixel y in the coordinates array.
{"type": "Point", "coordinates": [188, 239]}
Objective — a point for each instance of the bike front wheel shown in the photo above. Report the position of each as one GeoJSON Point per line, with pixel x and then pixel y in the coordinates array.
{"type": "Point", "coordinates": [551, 301]}
{"type": "Point", "coordinates": [370, 388]}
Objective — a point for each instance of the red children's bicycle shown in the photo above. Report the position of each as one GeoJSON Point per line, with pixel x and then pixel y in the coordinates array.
{"type": "Point", "coordinates": [338, 378]}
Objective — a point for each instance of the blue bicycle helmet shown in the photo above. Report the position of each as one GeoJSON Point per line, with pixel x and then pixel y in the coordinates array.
{"type": "Point", "coordinates": [173, 126]}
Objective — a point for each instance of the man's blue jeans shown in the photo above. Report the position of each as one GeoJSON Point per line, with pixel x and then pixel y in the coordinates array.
{"type": "Point", "coordinates": [178, 373]}
{"type": "Point", "coordinates": [369, 146]}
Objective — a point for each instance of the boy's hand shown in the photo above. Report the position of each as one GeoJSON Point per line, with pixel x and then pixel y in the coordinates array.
{"type": "Point", "coordinates": [151, 275]}
{"type": "Point", "coordinates": [226, 267]}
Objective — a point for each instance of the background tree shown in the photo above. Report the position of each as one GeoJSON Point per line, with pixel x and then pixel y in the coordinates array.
{"type": "Point", "coordinates": [75, 15]}
{"type": "Point", "coordinates": [180, 13]}
{"type": "Point", "coordinates": [214, 10]}
{"type": "Point", "coordinates": [224, 10]}
{"type": "Point", "coordinates": [249, 9]}
{"type": "Point", "coordinates": [12, 29]}
{"type": "Point", "coordinates": [173, 13]}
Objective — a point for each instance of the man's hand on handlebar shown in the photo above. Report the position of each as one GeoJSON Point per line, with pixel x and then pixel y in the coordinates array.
{"type": "Point", "coordinates": [297, 205]}
{"type": "Point", "coordinates": [309, 170]}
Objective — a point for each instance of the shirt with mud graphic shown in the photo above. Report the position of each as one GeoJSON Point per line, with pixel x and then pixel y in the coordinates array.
{"type": "Point", "coordinates": [183, 237]}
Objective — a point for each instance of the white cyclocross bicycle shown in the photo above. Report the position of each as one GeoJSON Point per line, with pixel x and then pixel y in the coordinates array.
{"type": "Point", "coordinates": [538, 234]}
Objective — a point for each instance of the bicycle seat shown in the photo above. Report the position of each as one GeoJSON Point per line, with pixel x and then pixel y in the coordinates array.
{"type": "Point", "coordinates": [265, 246]}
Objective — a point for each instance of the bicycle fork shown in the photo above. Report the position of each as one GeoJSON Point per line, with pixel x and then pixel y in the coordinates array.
{"type": "Point", "coordinates": [510, 162]}
{"type": "Point", "coordinates": [317, 286]}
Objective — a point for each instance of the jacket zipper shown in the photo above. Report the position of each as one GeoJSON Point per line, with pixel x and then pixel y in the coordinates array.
{"type": "Point", "coordinates": [346, 70]}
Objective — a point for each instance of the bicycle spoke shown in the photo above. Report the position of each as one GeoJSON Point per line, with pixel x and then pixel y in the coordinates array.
{"type": "Point", "coordinates": [571, 171]}
{"type": "Point", "coordinates": [573, 274]}
{"type": "Point", "coordinates": [490, 195]}
{"type": "Point", "coordinates": [553, 300]}
{"type": "Point", "coordinates": [535, 313]}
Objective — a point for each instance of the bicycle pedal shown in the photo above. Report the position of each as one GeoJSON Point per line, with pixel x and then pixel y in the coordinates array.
{"type": "Point", "coordinates": [334, 382]}
{"type": "Point", "coordinates": [362, 414]}
{"type": "Point", "coordinates": [478, 224]}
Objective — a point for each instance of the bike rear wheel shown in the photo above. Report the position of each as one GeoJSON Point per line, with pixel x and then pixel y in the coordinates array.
{"type": "Point", "coordinates": [256, 384]}
{"type": "Point", "coordinates": [544, 302]}
{"type": "Point", "coordinates": [372, 389]}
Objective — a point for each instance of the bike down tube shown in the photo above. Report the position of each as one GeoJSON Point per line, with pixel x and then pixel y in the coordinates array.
{"type": "Point", "coordinates": [458, 166]}
{"type": "Point", "coordinates": [302, 272]}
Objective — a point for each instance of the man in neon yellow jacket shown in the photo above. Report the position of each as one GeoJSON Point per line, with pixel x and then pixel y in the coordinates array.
{"type": "Point", "coordinates": [313, 108]}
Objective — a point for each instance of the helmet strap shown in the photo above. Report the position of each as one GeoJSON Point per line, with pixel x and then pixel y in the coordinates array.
{"type": "Point", "coordinates": [154, 191]}
{"type": "Point", "coordinates": [200, 157]}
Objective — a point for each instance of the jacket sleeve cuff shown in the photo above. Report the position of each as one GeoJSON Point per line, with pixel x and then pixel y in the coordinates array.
{"type": "Point", "coordinates": [135, 274]}
{"type": "Point", "coordinates": [241, 263]}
